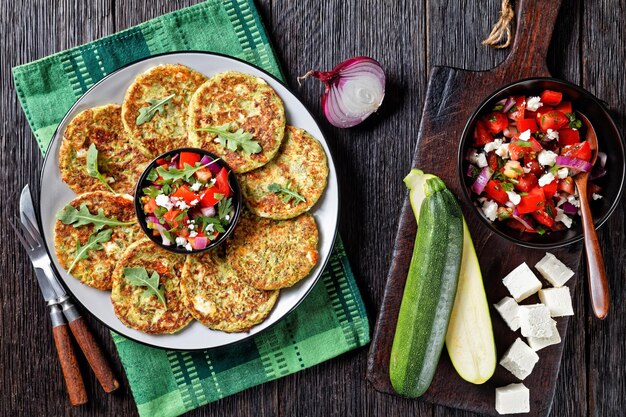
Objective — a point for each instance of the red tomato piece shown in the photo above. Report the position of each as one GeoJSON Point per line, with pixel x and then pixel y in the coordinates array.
{"type": "Point", "coordinates": [526, 124]}
{"type": "Point", "coordinates": [222, 182]}
{"type": "Point", "coordinates": [568, 136]}
{"type": "Point", "coordinates": [495, 191]}
{"type": "Point", "coordinates": [496, 122]}
{"type": "Point", "coordinates": [526, 183]}
{"type": "Point", "coordinates": [150, 206]}
{"type": "Point", "coordinates": [161, 161]}
{"type": "Point", "coordinates": [170, 217]}
{"type": "Point", "coordinates": [580, 150]}
{"type": "Point", "coordinates": [565, 107]}
{"type": "Point", "coordinates": [184, 193]}
{"type": "Point", "coordinates": [530, 114]}
{"type": "Point", "coordinates": [203, 174]}
{"type": "Point", "coordinates": [188, 158]}
{"type": "Point", "coordinates": [531, 163]}
{"type": "Point", "coordinates": [551, 98]}
{"type": "Point", "coordinates": [492, 161]}
{"type": "Point", "coordinates": [566, 185]}
{"type": "Point", "coordinates": [531, 202]}
{"type": "Point", "coordinates": [535, 145]}
{"type": "Point", "coordinates": [517, 111]}
{"type": "Point", "coordinates": [207, 199]}
{"type": "Point", "coordinates": [481, 134]}
{"type": "Point", "coordinates": [550, 189]}
{"type": "Point", "coordinates": [542, 217]}
{"type": "Point", "coordinates": [517, 151]}
{"type": "Point", "coordinates": [552, 120]}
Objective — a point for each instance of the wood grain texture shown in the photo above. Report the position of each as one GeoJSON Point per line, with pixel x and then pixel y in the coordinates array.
{"type": "Point", "coordinates": [408, 37]}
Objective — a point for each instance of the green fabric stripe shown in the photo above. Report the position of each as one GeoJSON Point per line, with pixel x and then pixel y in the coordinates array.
{"type": "Point", "coordinates": [329, 322]}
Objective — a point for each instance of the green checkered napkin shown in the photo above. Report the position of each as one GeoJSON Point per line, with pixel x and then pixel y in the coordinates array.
{"type": "Point", "coordinates": [330, 321]}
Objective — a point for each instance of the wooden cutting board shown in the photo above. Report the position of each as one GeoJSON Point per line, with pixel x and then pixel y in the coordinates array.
{"type": "Point", "coordinates": [453, 94]}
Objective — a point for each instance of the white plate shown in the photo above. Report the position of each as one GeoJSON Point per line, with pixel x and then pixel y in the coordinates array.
{"type": "Point", "coordinates": [55, 194]}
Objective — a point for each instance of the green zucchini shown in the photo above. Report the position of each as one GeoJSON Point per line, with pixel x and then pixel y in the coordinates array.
{"type": "Point", "coordinates": [429, 292]}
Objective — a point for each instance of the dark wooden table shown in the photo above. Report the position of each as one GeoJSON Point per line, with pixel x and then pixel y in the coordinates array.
{"type": "Point", "coordinates": [408, 37]}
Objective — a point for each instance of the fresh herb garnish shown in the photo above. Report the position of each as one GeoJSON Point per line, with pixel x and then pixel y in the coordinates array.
{"type": "Point", "coordinates": [523, 144]}
{"type": "Point", "coordinates": [92, 166]}
{"type": "Point", "coordinates": [523, 193]}
{"type": "Point", "coordinates": [513, 109]}
{"type": "Point", "coordinates": [507, 186]}
{"type": "Point", "coordinates": [206, 221]}
{"type": "Point", "coordinates": [554, 169]}
{"type": "Point", "coordinates": [174, 174]}
{"type": "Point", "coordinates": [475, 171]}
{"type": "Point", "coordinates": [234, 140]}
{"type": "Point", "coordinates": [498, 107]}
{"type": "Point", "coordinates": [288, 193]}
{"type": "Point", "coordinates": [549, 210]}
{"type": "Point", "coordinates": [156, 105]}
{"type": "Point", "coordinates": [94, 242]}
{"type": "Point", "coordinates": [82, 217]}
{"type": "Point", "coordinates": [540, 230]}
{"type": "Point", "coordinates": [138, 276]}
{"type": "Point", "coordinates": [152, 175]}
{"type": "Point", "coordinates": [574, 123]}
{"type": "Point", "coordinates": [498, 176]}
{"type": "Point", "coordinates": [223, 209]}
{"type": "Point", "coordinates": [151, 191]}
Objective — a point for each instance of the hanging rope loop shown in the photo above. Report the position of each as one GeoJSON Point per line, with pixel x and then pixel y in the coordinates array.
{"type": "Point", "coordinates": [500, 36]}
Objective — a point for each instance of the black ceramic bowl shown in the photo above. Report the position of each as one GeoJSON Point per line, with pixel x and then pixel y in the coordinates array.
{"type": "Point", "coordinates": [609, 141]}
{"type": "Point", "coordinates": [144, 182]}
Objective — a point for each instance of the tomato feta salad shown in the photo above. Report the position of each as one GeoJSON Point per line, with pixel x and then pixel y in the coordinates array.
{"type": "Point", "coordinates": [523, 157]}
{"type": "Point", "coordinates": [188, 201]}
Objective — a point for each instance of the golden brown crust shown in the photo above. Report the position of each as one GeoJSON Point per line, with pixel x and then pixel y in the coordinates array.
{"type": "Point", "coordinates": [216, 297]}
{"type": "Point", "coordinates": [97, 268]}
{"type": "Point", "coordinates": [301, 163]}
{"type": "Point", "coordinates": [166, 130]}
{"type": "Point", "coordinates": [243, 101]}
{"type": "Point", "coordinates": [272, 254]}
{"type": "Point", "coordinates": [146, 313]}
{"type": "Point", "coordinates": [118, 160]}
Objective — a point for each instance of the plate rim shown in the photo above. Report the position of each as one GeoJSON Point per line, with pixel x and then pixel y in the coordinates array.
{"type": "Point", "coordinates": [48, 249]}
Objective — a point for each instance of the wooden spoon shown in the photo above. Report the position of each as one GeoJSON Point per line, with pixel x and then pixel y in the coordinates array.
{"type": "Point", "coordinates": [598, 284]}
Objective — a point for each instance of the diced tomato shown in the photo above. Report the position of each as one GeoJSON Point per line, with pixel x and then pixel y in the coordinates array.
{"type": "Point", "coordinates": [535, 145]}
{"type": "Point", "coordinates": [542, 217]}
{"type": "Point", "coordinates": [150, 206]}
{"type": "Point", "coordinates": [526, 183]}
{"type": "Point", "coordinates": [542, 110]}
{"type": "Point", "coordinates": [580, 150]}
{"type": "Point", "coordinates": [552, 120]}
{"type": "Point", "coordinates": [566, 185]}
{"type": "Point", "coordinates": [184, 193]}
{"type": "Point", "coordinates": [517, 111]}
{"type": "Point", "coordinates": [530, 162]}
{"type": "Point", "coordinates": [492, 161]}
{"type": "Point", "coordinates": [170, 217]}
{"type": "Point", "coordinates": [188, 158]}
{"type": "Point", "coordinates": [550, 189]}
{"type": "Point", "coordinates": [530, 114]}
{"type": "Point", "coordinates": [495, 191]}
{"type": "Point", "coordinates": [496, 122]}
{"type": "Point", "coordinates": [514, 224]}
{"type": "Point", "coordinates": [222, 182]}
{"type": "Point", "coordinates": [203, 174]}
{"type": "Point", "coordinates": [161, 161]}
{"type": "Point", "coordinates": [568, 136]}
{"type": "Point", "coordinates": [531, 202]}
{"type": "Point", "coordinates": [183, 232]}
{"type": "Point", "coordinates": [551, 98]}
{"type": "Point", "coordinates": [565, 107]}
{"type": "Point", "coordinates": [516, 151]}
{"type": "Point", "coordinates": [481, 134]}
{"type": "Point", "coordinates": [526, 124]}
{"type": "Point", "coordinates": [207, 199]}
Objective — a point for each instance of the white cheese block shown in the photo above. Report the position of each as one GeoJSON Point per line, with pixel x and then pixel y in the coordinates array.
{"type": "Point", "coordinates": [509, 310]}
{"type": "Point", "coordinates": [535, 321]}
{"type": "Point", "coordinates": [558, 301]}
{"type": "Point", "coordinates": [553, 270]}
{"type": "Point", "coordinates": [538, 343]}
{"type": "Point", "coordinates": [512, 399]}
{"type": "Point", "coordinates": [520, 359]}
{"type": "Point", "coordinates": [521, 282]}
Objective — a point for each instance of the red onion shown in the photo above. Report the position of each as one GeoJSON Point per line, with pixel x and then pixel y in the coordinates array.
{"type": "Point", "coordinates": [510, 101]}
{"type": "Point", "coordinates": [200, 242]}
{"type": "Point", "coordinates": [208, 211]}
{"type": "Point", "coordinates": [569, 208]}
{"type": "Point", "coordinates": [153, 219]}
{"type": "Point", "coordinates": [470, 171]}
{"type": "Point", "coordinates": [205, 160]}
{"type": "Point", "coordinates": [509, 133]}
{"type": "Point", "coordinates": [576, 165]}
{"type": "Point", "coordinates": [354, 90]}
{"type": "Point", "coordinates": [482, 180]}
{"type": "Point", "coordinates": [521, 220]}
{"type": "Point", "coordinates": [214, 167]}
{"type": "Point", "coordinates": [160, 229]}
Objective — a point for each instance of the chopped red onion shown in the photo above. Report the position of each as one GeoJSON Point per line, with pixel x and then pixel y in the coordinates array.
{"type": "Point", "coordinates": [205, 160]}
{"type": "Point", "coordinates": [200, 242]}
{"type": "Point", "coordinates": [470, 171]}
{"type": "Point", "coordinates": [510, 101]}
{"type": "Point", "coordinates": [160, 229]}
{"type": "Point", "coordinates": [569, 208]}
{"type": "Point", "coordinates": [214, 167]}
{"type": "Point", "coordinates": [576, 165]}
{"type": "Point", "coordinates": [208, 211]}
{"type": "Point", "coordinates": [482, 180]}
{"type": "Point", "coordinates": [517, 216]}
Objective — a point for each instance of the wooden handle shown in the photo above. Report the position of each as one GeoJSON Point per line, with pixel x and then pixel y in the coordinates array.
{"type": "Point", "coordinates": [533, 31]}
{"type": "Point", "coordinates": [69, 365]}
{"type": "Point", "coordinates": [598, 283]}
{"type": "Point", "coordinates": [95, 356]}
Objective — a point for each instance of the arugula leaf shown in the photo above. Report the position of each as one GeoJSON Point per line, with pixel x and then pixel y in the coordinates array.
{"type": "Point", "coordinates": [206, 221]}
{"type": "Point", "coordinates": [138, 276]}
{"type": "Point", "coordinates": [82, 217]}
{"type": "Point", "coordinates": [151, 191]}
{"type": "Point", "coordinates": [152, 175]}
{"type": "Point", "coordinates": [93, 243]}
{"type": "Point", "coordinates": [234, 140]}
{"type": "Point", "coordinates": [287, 192]}
{"type": "Point", "coordinates": [174, 174]}
{"type": "Point", "coordinates": [156, 105]}
{"type": "Point", "coordinates": [223, 209]}
{"type": "Point", "coordinates": [92, 166]}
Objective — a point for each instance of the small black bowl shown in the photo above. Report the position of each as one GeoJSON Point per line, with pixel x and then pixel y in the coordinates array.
{"type": "Point", "coordinates": [609, 141]}
{"type": "Point", "coordinates": [236, 199]}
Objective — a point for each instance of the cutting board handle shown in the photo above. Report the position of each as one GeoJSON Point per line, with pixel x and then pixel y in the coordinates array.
{"type": "Point", "coordinates": [534, 26]}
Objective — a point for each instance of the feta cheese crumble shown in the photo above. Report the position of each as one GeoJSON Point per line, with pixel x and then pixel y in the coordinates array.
{"type": "Point", "coordinates": [196, 186]}
{"type": "Point", "coordinates": [563, 218]}
{"type": "Point", "coordinates": [547, 158]}
{"type": "Point", "coordinates": [533, 103]}
{"type": "Point", "coordinates": [514, 197]}
{"type": "Point", "coordinates": [503, 150]}
{"type": "Point", "coordinates": [181, 241]}
{"type": "Point", "coordinates": [573, 201]}
{"type": "Point", "coordinates": [490, 209]}
{"type": "Point", "coordinates": [546, 179]}
{"type": "Point", "coordinates": [596, 196]}
{"type": "Point", "coordinates": [478, 159]}
{"type": "Point", "coordinates": [492, 146]}
{"type": "Point", "coordinates": [562, 173]}
{"type": "Point", "coordinates": [551, 134]}
{"type": "Point", "coordinates": [558, 301]}
{"type": "Point", "coordinates": [163, 201]}
{"type": "Point", "coordinates": [535, 321]}
{"type": "Point", "coordinates": [525, 135]}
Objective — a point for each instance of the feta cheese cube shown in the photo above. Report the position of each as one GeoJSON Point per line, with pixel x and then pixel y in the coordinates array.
{"type": "Point", "coordinates": [558, 301]}
{"type": "Point", "coordinates": [520, 359]}
{"type": "Point", "coordinates": [573, 201]}
{"type": "Point", "coordinates": [562, 173]}
{"type": "Point", "coordinates": [514, 197]}
{"type": "Point", "coordinates": [513, 399]}
{"type": "Point", "coordinates": [547, 158]}
{"type": "Point", "coordinates": [509, 310]}
{"type": "Point", "coordinates": [538, 343]}
{"type": "Point", "coordinates": [533, 103]}
{"type": "Point", "coordinates": [521, 282]}
{"type": "Point", "coordinates": [546, 179]}
{"type": "Point", "coordinates": [490, 209]}
{"type": "Point", "coordinates": [563, 218]}
{"type": "Point", "coordinates": [553, 270]}
{"type": "Point", "coordinates": [535, 321]}
{"type": "Point", "coordinates": [503, 150]}
{"type": "Point", "coordinates": [525, 135]}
